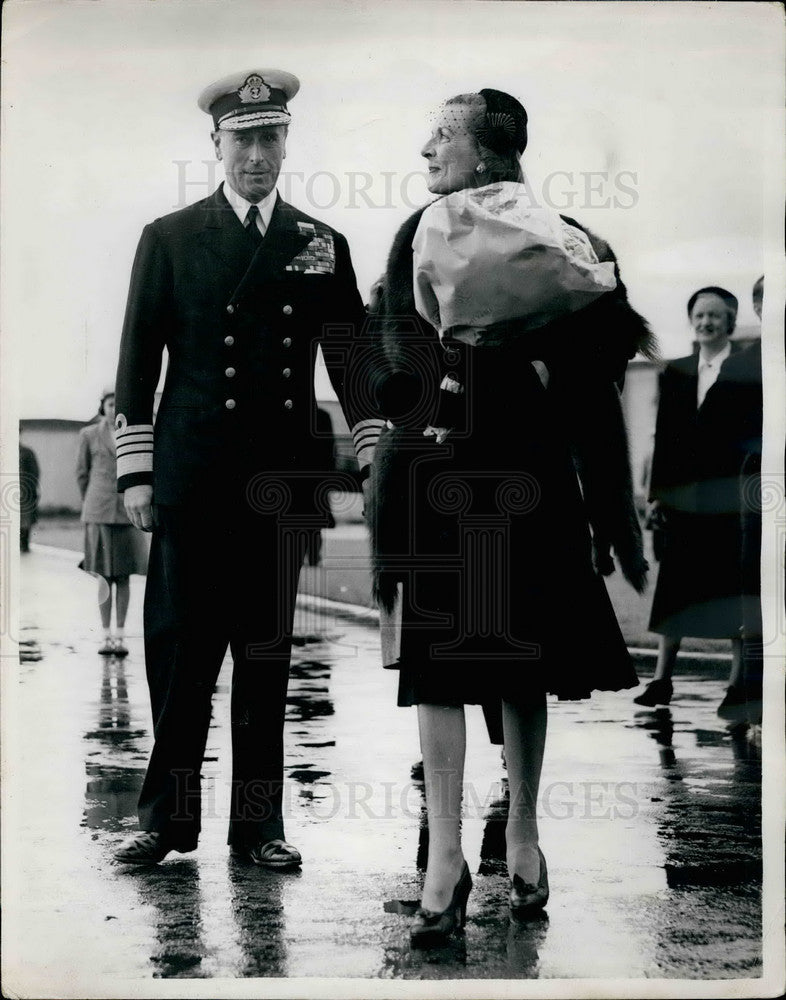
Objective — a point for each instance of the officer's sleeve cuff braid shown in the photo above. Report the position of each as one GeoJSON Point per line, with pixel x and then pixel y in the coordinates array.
{"type": "Point", "coordinates": [134, 479]}
{"type": "Point", "coordinates": [365, 435]}
{"type": "Point", "coordinates": [134, 449]}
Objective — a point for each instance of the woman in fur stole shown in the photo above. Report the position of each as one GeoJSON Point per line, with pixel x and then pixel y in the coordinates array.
{"type": "Point", "coordinates": [482, 536]}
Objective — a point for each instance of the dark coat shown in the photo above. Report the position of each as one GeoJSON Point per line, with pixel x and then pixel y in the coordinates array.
{"type": "Point", "coordinates": [586, 355]}
{"type": "Point", "coordinates": [487, 535]}
{"type": "Point", "coordinates": [736, 407]}
{"type": "Point", "coordinates": [696, 466]}
{"type": "Point", "coordinates": [241, 327]}
{"type": "Point", "coordinates": [29, 487]}
{"type": "Point", "coordinates": [241, 330]}
{"type": "Point", "coordinates": [692, 464]}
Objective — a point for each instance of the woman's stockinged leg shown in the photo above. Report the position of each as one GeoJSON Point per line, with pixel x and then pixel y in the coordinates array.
{"type": "Point", "coordinates": [443, 742]}
{"type": "Point", "coordinates": [105, 602]}
{"type": "Point", "coordinates": [668, 647]}
{"type": "Point", "coordinates": [524, 727]}
{"type": "Point", "coordinates": [123, 594]}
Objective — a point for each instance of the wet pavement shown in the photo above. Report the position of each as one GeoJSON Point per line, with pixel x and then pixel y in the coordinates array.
{"type": "Point", "coordinates": [650, 822]}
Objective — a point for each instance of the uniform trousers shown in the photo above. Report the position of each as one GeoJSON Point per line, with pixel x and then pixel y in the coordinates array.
{"type": "Point", "coordinates": [221, 573]}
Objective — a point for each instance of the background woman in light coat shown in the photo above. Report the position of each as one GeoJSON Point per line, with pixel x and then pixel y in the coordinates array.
{"type": "Point", "coordinates": [114, 549]}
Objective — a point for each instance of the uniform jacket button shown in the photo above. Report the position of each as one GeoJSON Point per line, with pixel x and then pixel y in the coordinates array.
{"type": "Point", "coordinates": [230, 404]}
{"type": "Point", "coordinates": [230, 373]}
{"type": "Point", "coordinates": [286, 372]}
{"type": "Point", "coordinates": [230, 308]}
{"type": "Point", "coordinates": [287, 341]}
{"type": "Point", "coordinates": [288, 404]}
{"type": "Point", "coordinates": [287, 310]}
{"type": "Point", "coordinates": [229, 341]}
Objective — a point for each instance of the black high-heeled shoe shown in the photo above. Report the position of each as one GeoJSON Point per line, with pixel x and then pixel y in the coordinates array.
{"type": "Point", "coordinates": [431, 927]}
{"type": "Point", "coordinates": [657, 692]}
{"type": "Point", "coordinates": [527, 899]}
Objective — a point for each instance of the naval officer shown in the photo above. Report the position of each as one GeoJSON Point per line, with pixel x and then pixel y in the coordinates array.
{"type": "Point", "coordinates": [240, 288]}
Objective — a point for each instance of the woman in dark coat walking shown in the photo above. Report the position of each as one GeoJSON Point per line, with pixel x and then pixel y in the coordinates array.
{"type": "Point", "coordinates": [695, 498]}
{"type": "Point", "coordinates": [480, 529]}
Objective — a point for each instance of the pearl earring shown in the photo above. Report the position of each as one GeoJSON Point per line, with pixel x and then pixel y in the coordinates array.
{"type": "Point", "coordinates": [480, 168]}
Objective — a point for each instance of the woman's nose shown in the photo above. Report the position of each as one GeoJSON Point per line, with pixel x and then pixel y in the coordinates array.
{"type": "Point", "coordinates": [428, 150]}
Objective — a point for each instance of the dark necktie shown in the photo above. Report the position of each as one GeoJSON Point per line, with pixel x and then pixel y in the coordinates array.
{"type": "Point", "coordinates": [251, 226]}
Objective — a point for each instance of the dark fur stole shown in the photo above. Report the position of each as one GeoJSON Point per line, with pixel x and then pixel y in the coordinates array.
{"type": "Point", "coordinates": [586, 354]}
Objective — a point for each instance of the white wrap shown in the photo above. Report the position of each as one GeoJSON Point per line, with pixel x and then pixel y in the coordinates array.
{"type": "Point", "coordinates": [483, 255]}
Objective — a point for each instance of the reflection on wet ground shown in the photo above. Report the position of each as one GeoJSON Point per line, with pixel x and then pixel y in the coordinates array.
{"type": "Point", "coordinates": [258, 911]}
{"type": "Point", "coordinates": [650, 822]}
{"type": "Point", "coordinates": [173, 895]}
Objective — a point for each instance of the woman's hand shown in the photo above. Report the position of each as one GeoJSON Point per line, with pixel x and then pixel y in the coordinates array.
{"type": "Point", "coordinates": [375, 295]}
{"type": "Point", "coordinates": [656, 515]}
{"type": "Point", "coordinates": [440, 433]}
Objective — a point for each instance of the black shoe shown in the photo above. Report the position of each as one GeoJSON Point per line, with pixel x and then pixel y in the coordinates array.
{"type": "Point", "coordinates": [527, 899]}
{"type": "Point", "coordinates": [655, 693]}
{"type": "Point", "coordinates": [276, 854]}
{"type": "Point", "coordinates": [119, 649]}
{"type": "Point", "coordinates": [734, 707]}
{"type": "Point", "coordinates": [147, 848]}
{"type": "Point", "coordinates": [432, 928]}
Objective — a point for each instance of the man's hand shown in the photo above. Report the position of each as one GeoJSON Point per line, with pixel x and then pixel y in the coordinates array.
{"type": "Point", "coordinates": [139, 506]}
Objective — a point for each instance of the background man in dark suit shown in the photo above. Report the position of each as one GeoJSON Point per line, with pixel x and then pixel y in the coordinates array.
{"type": "Point", "coordinates": [29, 491]}
{"type": "Point", "coordinates": [240, 288]}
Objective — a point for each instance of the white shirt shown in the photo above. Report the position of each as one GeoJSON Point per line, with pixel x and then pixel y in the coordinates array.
{"type": "Point", "coordinates": [241, 207]}
{"type": "Point", "coordinates": [709, 369]}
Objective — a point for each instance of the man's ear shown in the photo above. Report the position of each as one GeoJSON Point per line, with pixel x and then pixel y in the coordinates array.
{"type": "Point", "coordinates": [216, 137]}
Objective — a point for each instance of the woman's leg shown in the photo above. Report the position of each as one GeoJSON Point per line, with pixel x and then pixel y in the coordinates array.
{"type": "Point", "coordinates": [121, 602]}
{"type": "Point", "coordinates": [105, 602]}
{"type": "Point", "coordinates": [668, 647]}
{"type": "Point", "coordinates": [524, 726]}
{"type": "Point", "coordinates": [443, 740]}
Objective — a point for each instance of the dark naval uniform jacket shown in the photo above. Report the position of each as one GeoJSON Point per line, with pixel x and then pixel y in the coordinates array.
{"type": "Point", "coordinates": [237, 465]}
{"type": "Point", "coordinates": [241, 330]}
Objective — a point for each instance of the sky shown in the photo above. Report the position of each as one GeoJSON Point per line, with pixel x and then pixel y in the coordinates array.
{"type": "Point", "coordinates": [655, 124]}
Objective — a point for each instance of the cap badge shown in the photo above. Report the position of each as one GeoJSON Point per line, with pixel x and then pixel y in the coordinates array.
{"type": "Point", "coordinates": [254, 91]}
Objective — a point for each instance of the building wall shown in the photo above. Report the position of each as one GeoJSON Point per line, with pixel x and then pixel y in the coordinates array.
{"type": "Point", "coordinates": [55, 443]}
{"type": "Point", "coordinates": [640, 406]}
